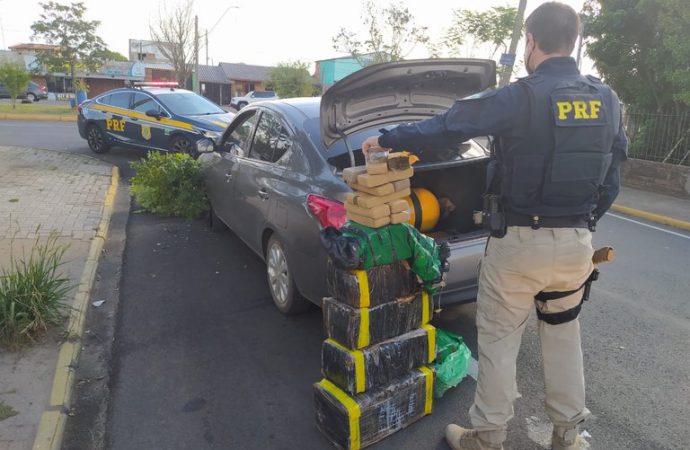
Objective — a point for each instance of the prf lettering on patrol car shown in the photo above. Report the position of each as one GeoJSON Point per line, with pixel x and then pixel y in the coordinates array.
{"type": "Point", "coordinates": [115, 124]}
{"type": "Point", "coordinates": [582, 110]}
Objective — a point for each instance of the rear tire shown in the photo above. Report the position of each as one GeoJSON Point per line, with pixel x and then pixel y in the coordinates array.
{"type": "Point", "coordinates": [98, 143]}
{"type": "Point", "coordinates": [31, 97]}
{"type": "Point", "coordinates": [280, 281]}
{"type": "Point", "coordinates": [214, 221]}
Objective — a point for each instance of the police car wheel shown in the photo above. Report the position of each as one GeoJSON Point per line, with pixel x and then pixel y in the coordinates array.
{"type": "Point", "coordinates": [280, 281]}
{"type": "Point", "coordinates": [97, 141]}
{"type": "Point", "coordinates": [31, 97]}
{"type": "Point", "coordinates": [181, 144]}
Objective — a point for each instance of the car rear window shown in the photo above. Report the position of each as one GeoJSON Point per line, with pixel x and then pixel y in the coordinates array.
{"type": "Point", "coordinates": [338, 156]}
{"type": "Point", "coordinates": [118, 100]}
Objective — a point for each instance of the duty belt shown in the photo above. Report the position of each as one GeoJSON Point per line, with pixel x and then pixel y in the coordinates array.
{"type": "Point", "coordinates": [521, 220]}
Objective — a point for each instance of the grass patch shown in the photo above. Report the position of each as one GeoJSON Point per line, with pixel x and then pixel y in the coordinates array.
{"type": "Point", "coordinates": [37, 108]}
{"type": "Point", "coordinates": [6, 411]}
{"type": "Point", "coordinates": [33, 293]}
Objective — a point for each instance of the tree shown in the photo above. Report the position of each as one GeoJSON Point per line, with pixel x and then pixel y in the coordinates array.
{"type": "Point", "coordinates": [108, 55]}
{"type": "Point", "coordinates": [391, 34]}
{"type": "Point", "coordinates": [76, 38]}
{"type": "Point", "coordinates": [15, 78]}
{"type": "Point", "coordinates": [641, 48]}
{"type": "Point", "coordinates": [493, 27]}
{"type": "Point", "coordinates": [291, 79]}
{"type": "Point", "coordinates": [173, 34]}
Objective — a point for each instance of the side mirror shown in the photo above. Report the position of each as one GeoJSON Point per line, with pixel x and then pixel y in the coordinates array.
{"type": "Point", "coordinates": [153, 113]}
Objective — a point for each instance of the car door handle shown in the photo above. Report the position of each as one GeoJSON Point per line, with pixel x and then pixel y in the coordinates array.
{"type": "Point", "coordinates": [263, 194]}
{"type": "Point", "coordinates": [228, 177]}
{"type": "Point", "coordinates": [134, 119]}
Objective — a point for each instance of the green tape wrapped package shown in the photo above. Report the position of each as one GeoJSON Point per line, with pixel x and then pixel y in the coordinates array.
{"type": "Point", "coordinates": [356, 246]}
{"type": "Point", "coordinates": [452, 361]}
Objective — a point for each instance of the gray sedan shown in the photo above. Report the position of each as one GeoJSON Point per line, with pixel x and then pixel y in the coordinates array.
{"type": "Point", "coordinates": [275, 177]}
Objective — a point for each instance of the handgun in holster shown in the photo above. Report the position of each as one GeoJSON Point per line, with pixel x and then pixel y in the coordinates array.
{"type": "Point", "coordinates": [493, 217]}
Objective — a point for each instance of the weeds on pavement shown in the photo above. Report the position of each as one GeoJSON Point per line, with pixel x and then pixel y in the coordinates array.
{"type": "Point", "coordinates": [33, 292]}
{"type": "Point", "coordinates": [6, 411]}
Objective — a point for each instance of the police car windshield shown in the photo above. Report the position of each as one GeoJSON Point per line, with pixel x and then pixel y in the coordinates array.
{"type": "Point", "coordinates": [188, 104]}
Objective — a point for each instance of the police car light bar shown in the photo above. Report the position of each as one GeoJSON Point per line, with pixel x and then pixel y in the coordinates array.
{"type": "Point", "coordinates": [156, 83]}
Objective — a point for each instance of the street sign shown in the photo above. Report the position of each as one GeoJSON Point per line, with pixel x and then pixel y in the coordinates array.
{"type": "Point", "coordinates": [507, 59]}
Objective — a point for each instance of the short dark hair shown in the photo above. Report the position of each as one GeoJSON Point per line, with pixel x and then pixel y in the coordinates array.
{"type": "Point", "coordinates": [555, 27]}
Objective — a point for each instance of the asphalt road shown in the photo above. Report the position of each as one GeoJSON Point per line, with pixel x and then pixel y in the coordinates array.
{"type": "Point", "coordinates": [61, 136]}
{"type": "Point", "coordinates": [202, 359]}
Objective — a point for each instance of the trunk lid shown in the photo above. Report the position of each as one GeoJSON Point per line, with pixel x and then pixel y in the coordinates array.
{"type": "Point", "coordinates": [400, 91]}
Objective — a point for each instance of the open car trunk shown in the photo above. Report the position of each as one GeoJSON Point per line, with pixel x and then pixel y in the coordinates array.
{"type": "Point", "coordinates": [459, 188]}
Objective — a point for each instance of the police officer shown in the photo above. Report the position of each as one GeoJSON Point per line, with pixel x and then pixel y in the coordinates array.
{"type": "Point", "coordinates": [555, 172]}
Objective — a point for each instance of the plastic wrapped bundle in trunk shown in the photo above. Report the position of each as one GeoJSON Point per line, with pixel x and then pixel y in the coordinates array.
{"type": "Point", "coordinates": [371, 287]}
{"type": "Point", "coordinates": [357, 371]}
{"type": "Point", "coordinates": [356, 422]}
{"type": "Point", "coordinates": [357, 328]}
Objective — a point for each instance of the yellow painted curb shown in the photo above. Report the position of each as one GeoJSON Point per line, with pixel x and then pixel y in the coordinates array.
{"type": "Point", "coordinates": [52, 424]}
{"type": "Point", "coordinates": [664, 220]}
{"type": "Point", "coordinates": [53, 117]}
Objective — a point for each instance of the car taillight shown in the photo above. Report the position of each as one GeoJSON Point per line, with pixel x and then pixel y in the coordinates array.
{"type": "Point", "coordinates": [79, 108]}
{"type": "Point", "coordinates": [330, 213]}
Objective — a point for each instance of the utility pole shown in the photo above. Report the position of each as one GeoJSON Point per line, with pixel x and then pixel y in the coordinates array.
{"type": "Point", "coordinates": [195, 77]}
{"type": "Point", "coordinates": [579, 45]}
{"type": "Point", "coordinates": [515, 38]}
{"type": "Point", "coordinates": [206, 45]}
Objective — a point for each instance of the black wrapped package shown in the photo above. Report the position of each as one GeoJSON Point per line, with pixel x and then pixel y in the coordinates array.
{"type": "Point", "coordinates": [371, 287]}
{"type": "Point", "coordinates": [356, 422]}
{"type": "Point", "coordinates": [357, 328]}
{"type": "Point", "coordinates": [357, 371]}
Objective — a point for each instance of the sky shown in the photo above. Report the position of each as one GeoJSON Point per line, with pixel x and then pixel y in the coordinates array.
{"type": "Point", "coordinates": [263, 32]}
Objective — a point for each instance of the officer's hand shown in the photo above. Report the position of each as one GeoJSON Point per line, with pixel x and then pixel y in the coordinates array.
{"type": "Point", "coordinates": [369, 143]}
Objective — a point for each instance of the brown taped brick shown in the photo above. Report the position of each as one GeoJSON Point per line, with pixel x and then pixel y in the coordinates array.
{"type": "Point", "coordinates": [398, 161]}
{"type": "Point", "coordinates": [402, 184]}
{"type": "Point", "coordinates": [384, 189]}
{"type": "Point", "coordinates": [389, 177]}
{"type": "Point", "coordinates": [377, 212]}
{"type": "Point", "coordinates": [401, 217]}
{"type": "Point", "coordinates": [350, 173]}
{"type": "Point", "coordinates": [398, 206]}
{"type": "Point", "coordinates": [368, 201]}
{"type": "Point", "coordinates": [367, 221]}
{"type": "Point", "coordinates": [377, 168]}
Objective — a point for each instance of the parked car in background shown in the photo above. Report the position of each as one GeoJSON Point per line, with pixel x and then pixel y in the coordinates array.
{"type": "Point", "coordinates": [152, 117]}
{"type": "Point", "coordinates": [33, 92]}
{"type": "Point", "coordinates": [275, 179]}
{"type": "Point", "coordinates": [253, 96]}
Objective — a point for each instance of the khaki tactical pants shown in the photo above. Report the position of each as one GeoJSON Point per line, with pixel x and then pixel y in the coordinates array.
{"type": "Point", "coordinates": [515, 268]}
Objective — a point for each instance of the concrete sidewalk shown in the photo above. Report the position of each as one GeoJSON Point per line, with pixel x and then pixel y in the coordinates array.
{"type": "Point", "coordinates": [652, 206]}
{"type": "Point", "coordinates": [40, 192]}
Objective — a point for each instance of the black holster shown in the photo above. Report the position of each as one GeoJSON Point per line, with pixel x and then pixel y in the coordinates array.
{"type": "Point", "coordinates": [493, 216]}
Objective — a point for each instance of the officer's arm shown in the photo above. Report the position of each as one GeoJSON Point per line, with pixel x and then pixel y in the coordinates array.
{"type": "Point", "coordinates": [487, 113]}
{"type": "Point", "coordinates": [612, 182]}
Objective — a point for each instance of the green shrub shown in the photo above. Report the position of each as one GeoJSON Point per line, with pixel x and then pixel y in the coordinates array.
{"type": "Point", "coordinates": [170, 184]}
{"type": "Point", "coordinates": [33, 292]}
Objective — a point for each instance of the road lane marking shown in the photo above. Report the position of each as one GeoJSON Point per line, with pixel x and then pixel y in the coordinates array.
{"type": "Point", "coordinates": [648, 225]}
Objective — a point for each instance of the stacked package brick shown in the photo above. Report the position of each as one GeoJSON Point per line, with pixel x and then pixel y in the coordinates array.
{"type": "Point", "coordinates": [379, 341]}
